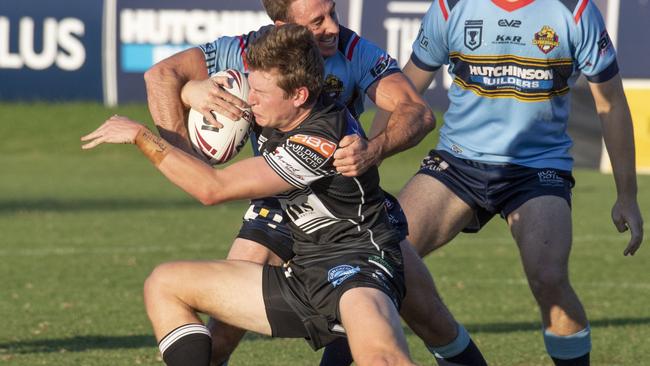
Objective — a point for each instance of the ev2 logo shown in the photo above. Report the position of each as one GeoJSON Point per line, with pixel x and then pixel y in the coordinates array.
{"type": "Point", "coordinates": [509, 23]}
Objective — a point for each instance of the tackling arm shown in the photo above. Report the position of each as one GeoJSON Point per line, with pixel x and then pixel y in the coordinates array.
{"type": "Point", "coordinates": [405, 120]}
{"type": "Point", "coordinates": [164, 82]}
{"type": "Point", "coordinates": [618, 134]}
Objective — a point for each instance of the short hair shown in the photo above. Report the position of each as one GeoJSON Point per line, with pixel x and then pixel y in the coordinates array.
{"type": "Point", "coordinates": [292, 52]}
{"type": "Point", "coordinates": [278, 9]}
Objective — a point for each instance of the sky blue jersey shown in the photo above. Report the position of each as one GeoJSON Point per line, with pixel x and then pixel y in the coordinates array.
{"type": "Point", "coordinates": [348, 74]}
{"type": "Point", "coordinates": [512, 66]}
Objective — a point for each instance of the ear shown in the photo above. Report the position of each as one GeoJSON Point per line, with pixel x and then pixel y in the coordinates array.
{"type": "Point", "coordinates": [300, 96]}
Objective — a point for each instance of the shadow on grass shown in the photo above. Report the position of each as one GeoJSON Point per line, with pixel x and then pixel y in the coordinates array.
{"type": "Point", "coordinates": [85, 343]}
{"type": "Point", "coordinates": [77, 344]}
{"type": "Point", "coordinates": [77, 205]}
{"type": "Point", "coordinates": [497, 328]}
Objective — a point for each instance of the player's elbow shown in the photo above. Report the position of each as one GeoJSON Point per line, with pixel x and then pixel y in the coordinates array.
{"type": "Point", "coordinates": [428, 119]}
{"type": "Point", "coordinates": [159, 73]}
{"type": "Point", "coordinates": [420, 112]}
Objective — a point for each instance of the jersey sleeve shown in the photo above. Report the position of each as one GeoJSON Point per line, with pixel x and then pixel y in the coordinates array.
{"type": "Point", "coordinates": [304, 157]}
{"type": "Point", "coordinates": [595, 53]}
{"type": "Point", "coordinates": [430, 48]}
{"type": "Point", "coordinates": [370, 62]}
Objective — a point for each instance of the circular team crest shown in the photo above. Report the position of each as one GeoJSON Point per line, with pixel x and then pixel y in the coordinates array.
{"type": "Point", "coordinates": [546, 39]}
{"type": "Point", "coordinates": [333, 86]}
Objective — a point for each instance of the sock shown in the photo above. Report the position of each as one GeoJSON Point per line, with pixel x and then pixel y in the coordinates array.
{"type": "Point", "coordinates": [461, 351]}
{"type": "Point", "coordinates": [569, 350]}
{"type": "Point", "coordinates": [187, 345]}
{"type": "Point", "coordinates": [337, 353]}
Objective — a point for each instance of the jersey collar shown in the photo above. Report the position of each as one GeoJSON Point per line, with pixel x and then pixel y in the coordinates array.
{"type": "Point", "coordinates": [511, 6]}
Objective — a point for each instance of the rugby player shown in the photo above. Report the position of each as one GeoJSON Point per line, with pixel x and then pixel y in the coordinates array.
{"type": "Point", "coordinates": [347, 273]}
{"type": "Point", "coordinates": [504, 149]}
{"type": "Point", "coordinates": [354, 68]}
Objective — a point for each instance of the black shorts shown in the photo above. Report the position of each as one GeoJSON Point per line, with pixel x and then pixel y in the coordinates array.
{"type": "Point", "coordinates": [495, 188]}
{"type": "Point", "coordinates": [265, 223]}
{"type": "Point", "coordinates": [303, 301]}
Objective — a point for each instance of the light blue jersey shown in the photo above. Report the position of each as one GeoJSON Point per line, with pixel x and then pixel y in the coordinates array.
{"type": "Point", "coordinates": [348, 74]}
{"type": "Point", "coordinates": [512, 66]}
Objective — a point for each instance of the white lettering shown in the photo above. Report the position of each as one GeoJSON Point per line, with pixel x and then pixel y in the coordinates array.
{"type": "Point", "coordinates": [168, 26]}
{"type": "Point", "coordinates": [511, 70]}
{"type": "Point", "coordinates": [55, 34]}
{"type": "Point", "coordinates": [75, 54]}
{"type": "Point", "coordinates": [8, 60]}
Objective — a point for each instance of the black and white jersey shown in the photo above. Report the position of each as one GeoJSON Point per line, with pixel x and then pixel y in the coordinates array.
{"type": "Point", "coordinates": [327, 212]}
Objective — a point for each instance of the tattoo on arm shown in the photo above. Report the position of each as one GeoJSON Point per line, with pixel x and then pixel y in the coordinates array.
{"type": "Point", "coordinates": [152, 146]}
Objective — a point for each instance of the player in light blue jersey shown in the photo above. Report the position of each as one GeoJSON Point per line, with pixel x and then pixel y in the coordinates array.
{"type": "Point", "coordinates": [354, 68]}
{"type": "Point", "coordinates": [504, 148]}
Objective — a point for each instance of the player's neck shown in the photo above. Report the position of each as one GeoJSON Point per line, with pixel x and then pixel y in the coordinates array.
{"type": "Point", "coordinates": [301, 115]}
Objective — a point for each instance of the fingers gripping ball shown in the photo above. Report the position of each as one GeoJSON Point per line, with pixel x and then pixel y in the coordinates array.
{"type": "Point", "coordinates": [219, 145]}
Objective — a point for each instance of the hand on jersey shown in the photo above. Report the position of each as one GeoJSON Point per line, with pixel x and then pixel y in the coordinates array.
{"type": "Point", "coordinates": [626, 215]}
{"type": "Point", "coordinates": [209, 95]}
{"type": "Point", "coordinates": [116, 130]}
{"type": "Point", "coordinates": [354, 156]}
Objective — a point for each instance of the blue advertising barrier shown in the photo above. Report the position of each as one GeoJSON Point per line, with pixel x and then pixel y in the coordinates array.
{"type": "Point", "coordinates": [49, 51]}
{"type": "Point", "coordinates": [99, 50]}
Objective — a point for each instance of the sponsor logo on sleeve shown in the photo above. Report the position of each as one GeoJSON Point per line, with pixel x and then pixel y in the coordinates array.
{"type": "Point", "coordinates": [381, 66]}
{"type": "Point", "coordinates": [604, 42]}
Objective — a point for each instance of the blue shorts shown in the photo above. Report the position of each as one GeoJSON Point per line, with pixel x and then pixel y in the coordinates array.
{"type": "Point", "coordinates": [495, 188]}
{"type": "Point", "coordinates": [265, 223]}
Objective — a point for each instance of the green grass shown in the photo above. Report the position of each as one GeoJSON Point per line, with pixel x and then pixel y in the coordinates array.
{"type": "Point", "coordinates": [80, 231]}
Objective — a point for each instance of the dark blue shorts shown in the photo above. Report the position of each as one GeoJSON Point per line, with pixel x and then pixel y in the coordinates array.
{"type": "Point", "coordinates": [495, 188]}
{"type": "Point", "coordinates": [265, 223]}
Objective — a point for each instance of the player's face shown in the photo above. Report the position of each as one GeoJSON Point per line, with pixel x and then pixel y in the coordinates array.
{"type": "Point", "coordinates": [268, 101]}
{"type": "Point", "coordinates": [319, 16]}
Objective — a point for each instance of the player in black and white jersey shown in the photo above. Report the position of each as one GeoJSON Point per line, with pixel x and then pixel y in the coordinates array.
{"type": "Point", "coordinates": [347, 275]}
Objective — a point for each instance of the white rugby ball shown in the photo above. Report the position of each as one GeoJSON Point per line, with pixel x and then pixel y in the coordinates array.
{"type": "Point", "coordinates": [219, 145]}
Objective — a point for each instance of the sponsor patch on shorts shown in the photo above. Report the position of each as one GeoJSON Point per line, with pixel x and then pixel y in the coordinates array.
{"type": "Point", "coordinates": [338, 274]}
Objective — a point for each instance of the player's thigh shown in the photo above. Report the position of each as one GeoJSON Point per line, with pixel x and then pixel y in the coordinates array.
{"type": "Point", "coordinates": [230, 291]}
{"type": "Point", "coordinates": [435, 214]}
{"type": "Point", "coordinates": [543, 232]}
{"type": "Point", "coordinates": [252, 251]}
{"type": "Point", "coordinates": [368, 311]}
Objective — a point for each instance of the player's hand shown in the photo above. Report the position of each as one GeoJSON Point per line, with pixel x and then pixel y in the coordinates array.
{"type": "Point", "coordinates": [116, 130]}
{"type": "Point", "coordinates": [354, 156]}
{"type": "Point", "coordinates": [626, 215]}
{"type": "Point", "coordinates": [209, 95]}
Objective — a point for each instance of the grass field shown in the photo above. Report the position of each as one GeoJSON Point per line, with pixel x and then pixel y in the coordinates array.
{"type": "Point", "coordinates": [80, 231]}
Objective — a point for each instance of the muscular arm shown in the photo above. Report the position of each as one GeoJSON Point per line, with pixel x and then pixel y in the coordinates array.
{"type": "Point", "coordinates": [410, 120]}
{"type": "Point", "coordinates": [419, 78]}
{"type": "Point", "coordinates": [249, 178]}
{"type": "Point", "coordinates": [618, 134]}
{"type": "Point", "coordinates": [164, 82]}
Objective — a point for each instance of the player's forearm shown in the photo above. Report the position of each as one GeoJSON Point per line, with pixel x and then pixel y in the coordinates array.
{"type": "Point", "coordinates": [185, 171]}
{"type": "Point", "coordinates": [618, 134]}
{"type": "Point", "coordinates": [406, 127]}
{"type": "Point", "coordinates": [164, 86]}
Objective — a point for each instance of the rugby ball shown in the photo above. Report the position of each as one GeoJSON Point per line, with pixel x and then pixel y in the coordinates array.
{"type": "Point", "coordinates": [218, 145]}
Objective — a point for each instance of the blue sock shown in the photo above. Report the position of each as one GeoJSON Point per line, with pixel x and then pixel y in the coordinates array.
{"type": "Point", "coordinates": [461, 351]}
{"type": "Point", "coordinates": [569, 350]}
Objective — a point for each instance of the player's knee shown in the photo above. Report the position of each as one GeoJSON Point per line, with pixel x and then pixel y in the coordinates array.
{"type": "Point", "coordinates": [384, 358]}
{"type": "Point", "coordinates": [548, 281]}
{"type": "Point", "coordinates": [158, 280]}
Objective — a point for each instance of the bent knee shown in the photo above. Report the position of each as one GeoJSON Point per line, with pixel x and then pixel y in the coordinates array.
{"type": "Point", "coordinates": [548, 281]}
{"type": "Point", "coordinates": [159, 279]}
